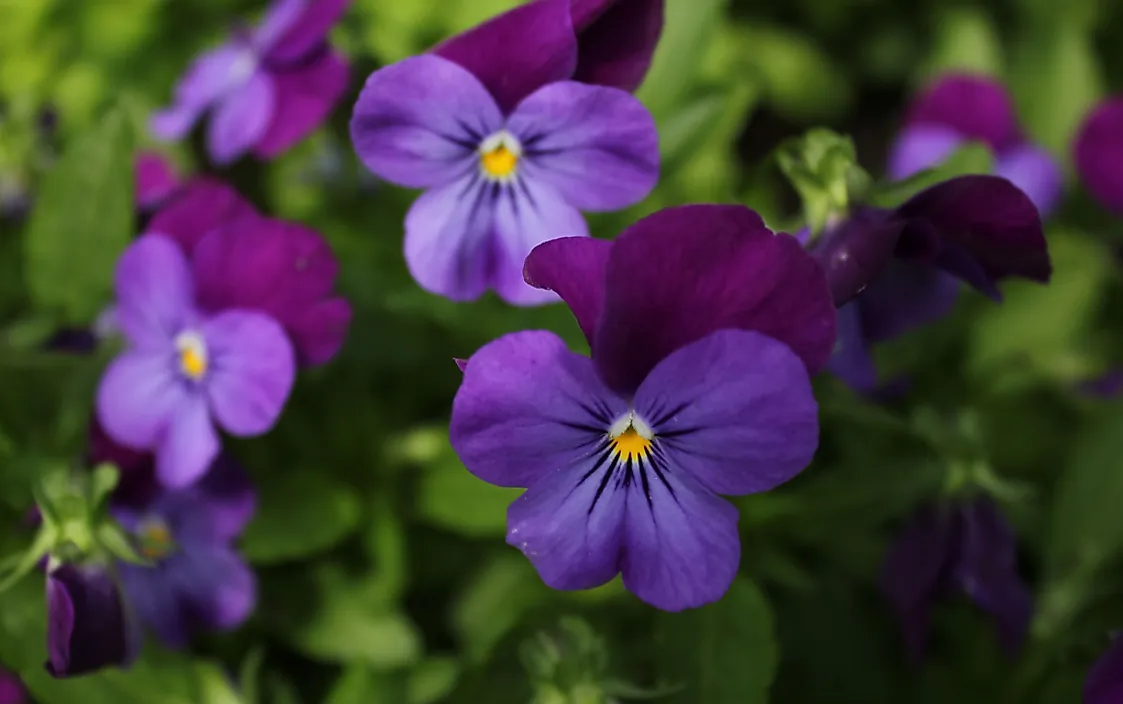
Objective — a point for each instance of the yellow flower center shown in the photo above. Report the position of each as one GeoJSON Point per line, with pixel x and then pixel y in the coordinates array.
{"type": "Point", "coordinates": [192, 355]}
{"type": "Point", "coordinates": [499, 162]}
{"type": "Point", "coordinates": [155, 539]}
{"type": "Point", "coordinates": [630, 444]}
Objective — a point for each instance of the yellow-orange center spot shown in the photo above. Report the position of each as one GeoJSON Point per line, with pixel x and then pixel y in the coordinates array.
{"type": "Point", "coordinates": [499, 162]}
{"type": "Point", "coordinates": [631, 444]}
{"type": "Point", "coordinates": [155, 540]}
{"type": "Point", "coordinates": [193, 363]}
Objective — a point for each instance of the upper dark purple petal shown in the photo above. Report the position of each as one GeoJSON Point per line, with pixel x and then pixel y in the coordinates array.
{"type": "Point", "coordinates": [906, 296]}
{"type": "Point", "coordinates": [1099, 153]}
{"type": "Point", "coordinates": [980, 228]}
{"type": "Point", "coordinates": [156, 180]}
{"type": "Point", "coordinates": [1104, 684]}
{"type": "Point", "coordinates": [519, 51]}
{"type": "Point", "coordinates": [574, 268]}
{"type": "Point", "coordinates": [978, 107]}
{"type": "Point", "coordinates": [87, 628]}
{"type": "Point", "coordinates": [987, 570]}
{"type": "Point", "coordinates": [213, 511]}
{"type": "Point", "coordinates": [680, 274]}
{"type": "Point", "coordinates": [856, 251]}
{"type": "Point", "coordinates": [916, 570]}
{"type": "Point", "coordinates": [201, 206]}
{"type": "Point", "coordinates": [616, 47]}
{"type": "Point", "coordinates": [306, 33]}
{"type": "Point", "coordinates": [304, 96]}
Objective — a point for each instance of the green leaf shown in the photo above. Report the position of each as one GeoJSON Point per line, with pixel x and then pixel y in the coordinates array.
{"type": "Point", "coordinates": [82, 221]}
{"type": "Point", "coordinates": [800, 80]}
{"type": "Point", "coordinates": [965, 40]}
{"type": "Point", "coordinates": [214, 685]}
{"type": "Point", "coordinates": [971, 158]}
{"type": "Point", "coordinates": [688, 28]}
{"type": "Point", "coordinates": [300, 513]}
{"type": "Point", "coordinates": [451, 497]}
{"type": "Point", "coordinates": [723, 652]}
{"type": "Point", "coordinates": [432, 680]}
{"type": "Point", "coordinates": [493, 602]}
{"type": "Point", "coordinates": [359, 684]}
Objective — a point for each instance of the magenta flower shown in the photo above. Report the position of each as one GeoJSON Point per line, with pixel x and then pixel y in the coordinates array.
{"type": "Point", "coordinates": [959, 108]}
{"type": "Point", "coordinates": [183, 369]}
{"type": "Point", "coordinates": [509, 148]}
{"type": "Point", "coordinates": [964, 546]}
{"type": "Point", "coordinates": [704, 327]}
{"type": "Point", "coordinates": [155, 181]}
{"type": "Point", "coordinates": [11, 690]}
{"type": "Point", "coordinates": [266, 88]}
{"type": "Point", "coordinates": [198, 582]}
{"type": "Point", "coordinates": [1104, 684]}
{"type": "Point", "coordinates": [87, 623]}
{"type": "Point", "coordinates": [1099, 153]}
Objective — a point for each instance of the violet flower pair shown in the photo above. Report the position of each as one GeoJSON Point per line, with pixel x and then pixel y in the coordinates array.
{"type": "Point", "coordinates": [513, 127]}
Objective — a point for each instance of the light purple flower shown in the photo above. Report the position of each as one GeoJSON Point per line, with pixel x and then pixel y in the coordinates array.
{"type": "Point", "coordinates": [197, 581]}
{"type": "Point", "coordinates": [266, 88]}
{"type": "Point", "coordinates": [508, 159]}
{"type": "Point", "coordinates": [1099, 153]}
{"type": "Point", "coordinates": [182, 368]}
{"type": "Point", "coordinates": [88, 625]}
{"type": "Point", "coordinates": [1104, 684]}
{"type": "Point", "coordinates": [704, 326]}
{"type": "Point", "coordinates": [958, 108]}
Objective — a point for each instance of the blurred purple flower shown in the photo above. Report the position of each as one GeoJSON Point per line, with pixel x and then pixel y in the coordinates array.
{"type": "Point", "coordinates": [958, 108]}
{"type": "Point", "coordinates": [88, 627]}
{"type": "Point", "coordinates": [155, 180]}
{"type": "Point", "coordinates": [1104, 684]}
{"type": "Point", "coordinates": [11, 690]}
{"type": "Point", "coordinates": [703, 326]}
{"type": "Point", "coordinates": [1099, 153]}
{"type": "Point", "coordinates": [508, 146]}
{"type": "Point", "coordinates": [963, 545]}
{"type": "Point", "coordinates": [267, 87]}
{"type": "Point", "coordinates": [197, 582]}
{"type": "Point", "coordinates": [892, 271]}
{"type": "Point", "coordinates": [182, 367]}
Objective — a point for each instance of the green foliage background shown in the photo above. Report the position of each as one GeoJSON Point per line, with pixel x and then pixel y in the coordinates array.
{"type": "Point", "coordinates": [384, 575]}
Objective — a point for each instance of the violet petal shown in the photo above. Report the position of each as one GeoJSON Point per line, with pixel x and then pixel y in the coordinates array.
{"type": "Point", "coordinates": [978, 107]}
{"type": "Point", "coordinates": [1099, 153]}
{"type": "Point", "coordinates": [305, 33]}
{"type": "Point", "coordinates": [574, 268]}
{"type": "Point", "coordinates": [1035, 172]}
{"type": "Point", "coordinates": [241, 119]}
{"type": "Point", "coordinates": [87, 627]}
{"type": "Point", "coordinates": [616, 49]}
{"type": "Point", "coordinates": [303, 98]}
{"type": "Point", "coordinates": [188, 444]}
{"type": "Point", "coordinates": [857, 251]}
{"type": "Point", "coordinates": [920, 147]}
{"type": "Point", "coordinates": [202, 205]}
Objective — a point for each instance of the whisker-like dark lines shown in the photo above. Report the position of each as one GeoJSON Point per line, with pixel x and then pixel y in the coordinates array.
{"type": "Point", "coordinates": [604, 482]}
{"type": "Point", "coordinates": [670, 414]}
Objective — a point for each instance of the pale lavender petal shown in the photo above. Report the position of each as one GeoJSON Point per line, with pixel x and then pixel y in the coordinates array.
{"type": "Point", "coordinates": [137, 397]}
{"type": "Point", "coordinates": [207, 79]}
{"type": "Point", "coordinates": [154, 292]}
{"type": "Point", "coordinates": [449, 239]}
{"type": "Point", "coordinates": [189, 443]}
{"type": "Point", "coordinates": [307, 33]}
{"type": "Point", "coordinates": [527, 407]}
{"type": "Point", "coordinates": [1098, 152]}
{"type": "Point", "coordinates": [681, 547]}
{"type": "Point", "coordinates": [1036, 172]}
{"type": "Point", "coordinates": [920, 147]}
{"type": "Point", "coordinates": [597, 146]}
{"type": "Point", "coordinates": [252, 369]}
{"type": "Point", "coordinates": [418, 122]}
{"type": "Point", "coordinates": [527, 214]}
{"type": "Point", "coordinates": [569, 522]}
{"type": "Point", "coordinates": [281, 16]}
{"type": "Point", "coordinates": [303, 97]}
{"type": "Point", "coordinates": [241, 119]}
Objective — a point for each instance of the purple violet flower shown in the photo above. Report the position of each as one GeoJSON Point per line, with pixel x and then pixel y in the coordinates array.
{"type": "Point", "coordinates": [704, 327]}
{"type": "Point", "coordinates": [88, 626]}
{"type": "Point", "coordinates": [510, 148]}
{"type": "Point", "coordinates": [198, 581]}
{"type": "Point", "coordinates": [156, 181]}
{"type": "Point", "coordinates": [964, 545]}
{"type": "Point", "coordinates": [267, 88]}
{"type": "Point", "coordinates": [1104, 683]}
{"type": "Point", "coordinates": [183, 368]}
{"type": "Point", "coordinates": [976, 229]}
{"type": "Point", "coordinates": [1099, 153]}
{"type": "Point", "coordinates": [11, 689]}
{"type": "Point", "coordinates": [959, 108]}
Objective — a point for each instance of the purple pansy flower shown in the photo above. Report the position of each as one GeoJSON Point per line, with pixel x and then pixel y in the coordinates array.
{"type": "Point", "coordinates": [963, 545]}
{"type": "Point", "coordinates": [1098, 153]}
{"type": "Point", "coordinates": [182, 368]}
{"type": "Point", "coordinates": [266, 88]}
{"type": "Point", "coordinates": [704, 326]}
{"type": "Point", "coordinates": [156, 181]}
{"type": "Point", "coordinates": [959, 108]}
{"type": "Point", "coordinates": [510, 148]}
{"type": "Point", "coordinates": [198, 581]}
{"type": "Point", "coordinates": [1104, 684]}
{"type": "Point", "coordinates": [976, 229]}
{"type": "Point", "coordinates": [88, 626]}
{"type": "Point", "coordinates": [11, 690]}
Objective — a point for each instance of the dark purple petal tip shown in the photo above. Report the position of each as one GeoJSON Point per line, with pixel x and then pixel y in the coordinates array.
{"type": "Point", "coordinates": [1104, 684]}
{"type": "Point", "coordinates": [574, 268]}
{"type": "Point", "coordinates": [11, 690]}
{"type": "Point", "coordinates": [616, 40]}
{"type": "Point", "coordinates": [977, 107]}
{"type": "Point", "coordinates": [1099, 153]}
{"type": "Point", "coordinates": [87, 627]}
{"type": "Point", "coordinates": [461, 364]}
{"type": "Point", "coordinates": [857, 251]}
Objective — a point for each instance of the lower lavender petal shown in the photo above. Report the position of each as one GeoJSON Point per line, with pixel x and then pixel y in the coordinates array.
{"type": "Point", "coordinates": [240, 121]}
{"type": "Point", "coordinates": [734, 410]}
{"type": "Point", "coordinates": [681, 547]}
{"type": "Point", "coordinates": [189, 443]}
{"type": "Point", "coordinates": [526, 407]}
{"type": "Point", "coordinates": [526, 215]}
{"type": "Point", "coordinates": [1036, 172]}
{"type": "Point", "coordinates": [304, 97]}
{"type": "Point", "coordinates": [137, 398]}
{"type": "Point", "coordinates": [1104, 684]}
{"type": "Point", "coordinates": [205, 82]}
{"type": "Point", "coordinates": [920, 147]}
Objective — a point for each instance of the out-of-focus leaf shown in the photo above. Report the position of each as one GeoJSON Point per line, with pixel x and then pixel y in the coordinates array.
{"type": "Point", "coordinates": [492, 603]}
{"type": "Point", "coordinates": [452, 497]}
{"type": "Point", "coordinates": [799, 80]}
{"type": "Point", "coordinates": [723, 652]}
{"type": "Point", "coordinates": [966, 40]}
{"type": "Point", "coordinates": [299, 513]}
{"type": "Point", "coordinates": [82, 221]}
{"type": "Point", "coordinates": [359, 684]}
{"type": "Point", "coordinates": [432, 680]}
{"type": "Point", "coordinates": [215, 685]}
{"type": "Point", "coordinates": [688, 27]}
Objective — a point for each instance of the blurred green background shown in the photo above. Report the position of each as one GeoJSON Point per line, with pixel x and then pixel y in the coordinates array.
{"type": "Point", "coordinates": [384, 577]}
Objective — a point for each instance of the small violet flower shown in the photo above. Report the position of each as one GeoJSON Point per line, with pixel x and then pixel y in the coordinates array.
{"type": "Point", "coordinates": [11, 690]}
{"type": "Point", "coordinates": [960, 108]}
{"type": "Point", "coordinates": [266, 88]}
{"type": "Point", "coordinates": [505, 129]}
{"type": "Point", "coordinates": [704, 327]}
{"type": "Point", "coordinates": [88, 626]}
{"type": "Point", "coordinates": [182, 368]}
{"type": "Point", "coordinates": [965, 546]}
{"type": "Point", "coordinates": [198, 581]}
{"type": "Point", "coordinates": [1104, 683]}
{"type": "Point", "coordinates": [895, 270]}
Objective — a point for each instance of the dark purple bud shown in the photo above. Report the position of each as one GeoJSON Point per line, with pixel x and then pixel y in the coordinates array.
{"type": "Point", "coordinates": [1104, 684]}
{"type": "Point", "coordinates": [1099, 153]}
{"type": "Point", "coordinates": [857, 251]}
{"type": "Point", "coordinates": [11, 691]}
{"type": "Point", "coordinates": [79, 341]}
{"type": "Point", "coordinates": [87, 624]}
